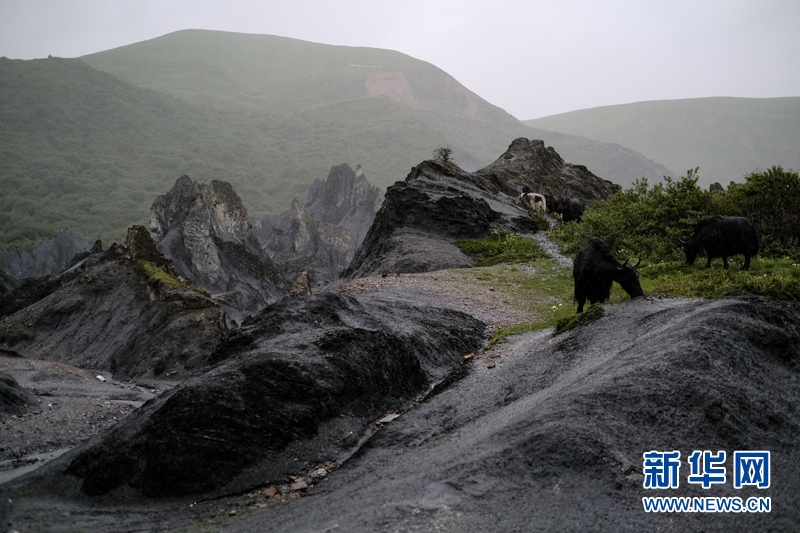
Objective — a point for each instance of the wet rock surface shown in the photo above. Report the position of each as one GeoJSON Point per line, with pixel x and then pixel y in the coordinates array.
{"type": "Point", "coordinates": [547, 433]}
{"type": "Point", "coordinates": [313, 373]}
{"type": "Point", "coordinates": [64, 406]}
{"type": "Point", "coordinates": [13, 397]}
{"type": "Point", "coordinates": [542, 433]}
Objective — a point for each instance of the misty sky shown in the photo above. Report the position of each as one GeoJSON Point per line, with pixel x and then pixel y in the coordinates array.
{"type": "Point", "coordinates": [533, 58]}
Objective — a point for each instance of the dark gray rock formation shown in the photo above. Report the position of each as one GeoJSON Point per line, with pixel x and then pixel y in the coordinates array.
{"type": "Point", "coordinates": [7, 284]}
{"type": "Point", "coordinates": [314, 372]}
{"type": "Point", "coordinates": [321, 237]}
{"type": "Point", "coordinates": [439, 203]}
{"type": "Point", "coordinates": [346, 199]}
{"type": "Point", "coordinates": [43, 258]}
{"type": "Point", "coordinates": [203, 229]}
{"type": "Point", "coordinates": [13, 397]}
{"type": "Point", "coordinates": [529, 162]}
{"type": "Point", "coordinates": [298, 243]}
{"type": "Point", "coordinates": [122, 311]}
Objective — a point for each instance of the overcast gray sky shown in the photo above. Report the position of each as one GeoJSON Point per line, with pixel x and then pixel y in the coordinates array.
{"type": "Point", "coordinates": [533, 58]}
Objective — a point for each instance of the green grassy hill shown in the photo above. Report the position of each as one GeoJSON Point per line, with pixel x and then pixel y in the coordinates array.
{"type": "Point", "coordinates": [81, 149]}
{"type": "Point", "coordinates": [88, 143]}
{"type": "Point", "coordinates": [726, 137]}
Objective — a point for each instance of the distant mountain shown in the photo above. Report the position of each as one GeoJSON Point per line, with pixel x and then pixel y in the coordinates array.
{"type": "Point", "coordinates": [726, 137]}
{"type": "Point", "coordinates": [90, 150]}
{"type": "Point", "coordinates": [378, 108]}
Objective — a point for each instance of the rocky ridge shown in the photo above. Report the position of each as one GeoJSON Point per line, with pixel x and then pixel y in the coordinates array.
{"type": "Point", "coordinates": [43, 258]}
{"type": "Point", "coordinates": [439, 203]}
{"type": "Point", "coordinates": [383, 401]}
{"type": "Point", "coordinates": [121, 311]}
{"type": "Point", "coordinates": [320, 237]}
{"type": "Point", "coordinates": [203, 229]}
{"type": "Point", "coordinates": [346, 199]}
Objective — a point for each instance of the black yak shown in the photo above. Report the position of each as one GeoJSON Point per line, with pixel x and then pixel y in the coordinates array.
{"type": "Point", "coordinates": [594, 269]}
{"type": "Point", "coordinates": [723, 237]}
{"type": "Point", "coordinates": [569, 208]}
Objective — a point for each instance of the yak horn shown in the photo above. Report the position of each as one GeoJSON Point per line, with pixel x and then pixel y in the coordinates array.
{"type": "Point", "coordinates": [626, 262]}
{"type": "Point", "coordinates": [637, 263]}
{"type": "Point", "coordinates": [682, 241]}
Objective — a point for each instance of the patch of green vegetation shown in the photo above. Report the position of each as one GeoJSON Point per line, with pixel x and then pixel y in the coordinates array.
{"type": "Point", "coordinates": [546, 290]}
{"type": "Point", "coordinates": [501, 247]}
{"type": "Point", "coordinates": [642, 221]}
{"type": "Point", "coordinates": [593, 313]}
{"type": "Point", "coordinates": [540, 288]}
{"type": "Point", "coordinates": [156, 276]}
{"type": "Point", "coordinates": [22, 493]}
{"type": "Point", "coordinates": [650, 222]}
{"type": "Point", "coordinates": [778, 279]}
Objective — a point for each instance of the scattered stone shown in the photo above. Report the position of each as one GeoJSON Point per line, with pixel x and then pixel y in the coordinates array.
{"type": "Point", "coordinates": [299, 484]}
{"type": "Point", "coordinates": [388, 418]}
{"type": "Point", "coordinates": [318, 474]}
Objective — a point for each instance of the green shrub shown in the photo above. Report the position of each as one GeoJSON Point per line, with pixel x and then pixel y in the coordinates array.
{"type": "Point", "coordinates": [771, 201]}
{"type": "Point", "coordinates": [643, 222]}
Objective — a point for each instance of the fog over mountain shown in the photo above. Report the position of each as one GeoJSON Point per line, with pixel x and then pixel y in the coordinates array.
{"type": "Point", "coordinates": [531, 58]}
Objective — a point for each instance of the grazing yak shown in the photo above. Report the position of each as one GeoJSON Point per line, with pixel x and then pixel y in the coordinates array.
{"type": "Point", "coordinates": [594, 269]}
{"type": "Point", "coordinates": [569, 208]}
{"type": "Point", "coordinates": [722, 237]}
{"type": "Point", "coordinates": [533, 201]}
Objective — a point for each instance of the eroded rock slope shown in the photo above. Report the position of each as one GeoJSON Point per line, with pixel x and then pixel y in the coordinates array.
{"type": "Point", "coordinates": [321, 236]}
{"type": "Point", "coordinates": [119, 310]}
{"type": "Point", "coordinates": [44, 258]}
{"type": "Point", "coordinates": [303, 379]}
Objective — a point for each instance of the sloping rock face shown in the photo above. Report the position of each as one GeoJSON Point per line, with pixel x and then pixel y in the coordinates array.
{"type": "Point", "coordinates": [13, 397]}
{"type": "Point", "coordinates": [203, 229]}
{"type": "Point", "coordinates": [439, 203]}
{"type": "Point", "coordinates": [553, 439]}
{"type": "Point", "coordinates": [7, 284]}
{"type": "Point", "coordinates": [121, 311]}
{"type": "Point", "coordinates": [316, 372]}
{"type": "Point", "coordinates": [322, 236]}
{"type": "Point", "coordinates": [346, 199]}
{"type": "Point", "coordinates": [297, 243]}
{"type": "Point", "coordinates": [44, 258]}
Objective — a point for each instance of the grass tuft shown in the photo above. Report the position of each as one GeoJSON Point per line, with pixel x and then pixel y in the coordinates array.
{"type": "Point", "coordinates": [595, 312]}
{"type": "Point", "coordinates": [779, 279]}
{"type": "Point", "coordinates": [157, 276]}
{"type": "Point", "coordinates": [501, 248]}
